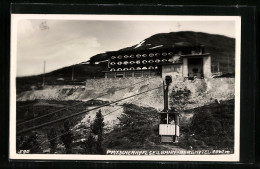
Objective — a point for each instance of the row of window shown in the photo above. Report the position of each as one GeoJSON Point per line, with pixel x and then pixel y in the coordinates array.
{"type": "Point", "coordinates": [132, 74]}
{"type": "Point", "coordinates": [144, 55]}
{"type": "Point", "coordinates": [132, 68]}
{"type": "Point", "coordinates": [139, 62]}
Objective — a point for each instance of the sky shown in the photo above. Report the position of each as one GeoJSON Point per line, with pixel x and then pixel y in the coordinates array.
{"type": "Point", "coordinates": [66, 42]}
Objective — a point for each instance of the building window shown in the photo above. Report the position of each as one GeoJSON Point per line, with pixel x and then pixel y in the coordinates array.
{"type": "Point", "coordinates": [119, 75]}
{"type": "Point", "coordinates": [157, 54]}
{"type": "Point", "coordinates": [153, 73]}
{"type": "Point", "coordinates": [119, 63]}
{"type": "Point", "coordinates": [132, 62]}
{"type": "Point", "coordinates": [132, 68]}
{"type": "Point", "coordinates": [151, 55]}
{"type": "Point", "coordinates": [137, 74]}
{"type": "Point", "coordinates": [170, 53]}
{"type": "Point", "coordinates": [138, 55]}
{"type": "Point", "coordinates": [119, 69]}
{"type": "Point", "coordinates": [144, 61]}
{"type": "Point", "coordinates": [110, 75]}
{"type": "Point", "coordinates": [144, 55]}
{"type": "Point", "coordinates": [150, 67]}
{"type": "Point", "coordinates": [112, 69]}
{"type": "Point", "coordinates": [164, 60]}
{"type": "Point", "coordinates": [146, 73]}
{"type": "Point", "coordinates": [112, 63]}
{"type": "Point", "coordinates": [138, 68]}
{"type": "Point", "coordinates": [128, 74]}
{"type": "Point", "coordinates": [125, 62]}
{"type": "Point", "coordinates": [164, 53]}
{"type": "Point", "coordinates": [138, 62]}
{"type": "Point", "coordinates": [151, 61]}
{"type": "Point", "coordinates": [119, 56]}
{"type": "Point", "coordinates": [132, 56]}
{"type": "Point", "coordinates": [126, 56]}
{"type": "Point", "coordinates": [113, 57]}
{"type": "Point", "coordinates": [144, 68]}
{"type": "Point", "coordinates": [125, 69]}
{"type": "Point", "coordinates": [157, 61]}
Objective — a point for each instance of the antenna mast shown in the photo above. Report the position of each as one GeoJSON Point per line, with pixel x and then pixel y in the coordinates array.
{"type": "Point", "coordinates": [228, 63]}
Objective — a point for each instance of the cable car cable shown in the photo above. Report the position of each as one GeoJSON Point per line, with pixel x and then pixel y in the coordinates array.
{"type": "Point", "coordinates": [79, 113]}
{"type": "Point", "coordinates": [27, 121]}
{"type": "Point", "coordinates": [71, 130]}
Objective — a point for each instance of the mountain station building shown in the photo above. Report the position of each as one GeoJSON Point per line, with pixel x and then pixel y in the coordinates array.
{"type": "Point", "coordinates": [185, 62]}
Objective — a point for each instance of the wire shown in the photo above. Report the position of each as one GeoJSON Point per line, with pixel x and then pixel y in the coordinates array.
{"type": "Point", "coordinates": [27, 121]}
{"type": "Point", "coordinates": [79, 113]}
{"type": "Point", "coordinates": [43, 142]}
{"type": "Point", "coordinates": [112, 111]}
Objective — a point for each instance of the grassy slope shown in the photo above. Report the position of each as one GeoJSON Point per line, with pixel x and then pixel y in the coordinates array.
{"type": "Point", "coordinates": [31, 109]}
{"type": "Point", "coordinates": [212, 127]}
{"type": "Point", "coordinates": [138, 129]}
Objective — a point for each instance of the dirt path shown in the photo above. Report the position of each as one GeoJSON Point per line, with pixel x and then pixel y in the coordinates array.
{"type": "Point", "coordinates": [170, 147]}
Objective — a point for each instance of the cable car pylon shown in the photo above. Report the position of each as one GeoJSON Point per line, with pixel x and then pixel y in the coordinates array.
{"type": "Point", "coordinates": [169, 129]}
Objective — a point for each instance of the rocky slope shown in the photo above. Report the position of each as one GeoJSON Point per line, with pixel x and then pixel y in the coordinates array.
{"type": "Point", "coordinates": [202, 92]}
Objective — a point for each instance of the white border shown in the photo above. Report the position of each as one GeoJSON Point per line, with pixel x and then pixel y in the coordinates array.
{"type": "Point", "coordinates": [225, 158]}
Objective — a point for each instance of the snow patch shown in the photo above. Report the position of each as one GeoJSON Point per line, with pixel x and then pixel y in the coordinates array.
{"type": "Point", "coordinates": [156, 47]}
{"type": "Point", "coordinates": [140, 44]}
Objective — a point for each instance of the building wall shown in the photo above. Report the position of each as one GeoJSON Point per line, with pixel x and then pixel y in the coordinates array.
{"type": "Point", "coordinates": [127, 74]}
{"type": "Point", "coordinates": [207, 67]}
{"type": "Point", "coordinates": [144, 63]}
{"type": "Point", "coordinates": [175, 71]}
{"type": "Point", "coordinates": [185, 67]}
{"type": "Point", "coordinates": [147, 59]}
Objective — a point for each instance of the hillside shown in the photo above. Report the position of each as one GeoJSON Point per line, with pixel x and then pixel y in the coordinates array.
{"type": "Point", "coordinates": [133, 123]}
{"type": "Point", "coordinates": [82, 72]}
{"type": "Point", "coordinates": [221, 48]}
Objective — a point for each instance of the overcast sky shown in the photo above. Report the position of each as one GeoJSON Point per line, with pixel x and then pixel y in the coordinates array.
{"type": "Point", "coordinates": [65, 42]}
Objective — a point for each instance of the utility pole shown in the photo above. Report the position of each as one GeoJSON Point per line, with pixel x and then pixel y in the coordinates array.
{"type": "Point", "coordinates": [72, 75]}
{"type": "Point", "coordinates": [228, 64]}
{"type": "Point", "coordinates": [43, 80]}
